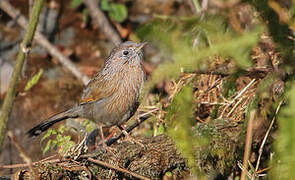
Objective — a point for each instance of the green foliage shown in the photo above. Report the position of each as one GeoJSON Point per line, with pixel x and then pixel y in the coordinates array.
{"type": "Point", "coordinates": [211, 36]}
{"type": "Point", "coordinates": [190, 44]}
{"type": "Point", "coordinates": [34, 80]}
{"type": "Point", "coordinates": [116, 11]}
{"type": "Point", "coordinates": [75, 3]}
{"type": "Point", "coordinates": [168, 174]}
{"type": "Point", "coordinates": [89, 125]}
{"type": "Point", "coordinates": [284, 163]}
{"type": "Point", "coordinates": [61, 140]}
{"type": "Point", "coordinates": [215, 145]}
{"type": "Point", "coordinates": [179, 122]}
{"type": "Point", "coordinates": [160, 130]}
{"type": "Point", "coordinates": [229, 87]}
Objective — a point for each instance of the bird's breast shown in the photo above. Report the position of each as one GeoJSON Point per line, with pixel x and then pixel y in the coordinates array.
{"type": "Point", "coordinates": [126, 98]}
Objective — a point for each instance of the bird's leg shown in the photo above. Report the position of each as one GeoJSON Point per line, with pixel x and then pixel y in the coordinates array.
{"type": "Point", "coordinates": [129, 137]}
{"type": "Point", "coordinates": [93, 142]}
{"type": "Point", "coordinates": [102, 137]}
{"type": "Point", "coordinates": [104, 145]}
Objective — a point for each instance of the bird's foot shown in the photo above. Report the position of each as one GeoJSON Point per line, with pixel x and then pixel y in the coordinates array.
{"type": "Point", "coordinates": [132, 139]}
{"type": "Point", "coordinates": [105, 148]}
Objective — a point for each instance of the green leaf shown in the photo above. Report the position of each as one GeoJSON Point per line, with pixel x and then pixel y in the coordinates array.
{"type": "Point", "coordinates": [118, 12]}
{"type": "Point", "coordinates": [54, 142]}
{"type": "Point", "coordinates": [48, 133]}
{"type": "Point", "coordinates": [105, 5]}
{"type": "Point", "coordinates": [168, 174]}
{"type": "Point", "coordinates": [160, 130]}
{"type": "Point", "coordinates": [90, 127]}
{"type": "Point", "coordinates": [61, 129]}
{"type": "Point", "coordinates": [67, 138]}
{"type": "Point", "coordinates": [47, 147]}
{"type": "Point", "coordinates": [59, 144]}
{"type": "Point", "coordinates": [34, 80]}
{"type": "Point", "coordinates": [53, 132]}
{"type": "Point", "coordinates": [85, 122]}
{"type": "Point", "coordinates": [59, 137]}
{"type": "Point", "coordinates": [75, 3]}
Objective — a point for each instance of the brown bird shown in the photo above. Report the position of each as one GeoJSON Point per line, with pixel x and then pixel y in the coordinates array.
{"type": "Point", "coordinates": [112, 95]}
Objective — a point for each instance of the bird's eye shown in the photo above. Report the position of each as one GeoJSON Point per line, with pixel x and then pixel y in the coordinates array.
{"type": "Point", "coordinates": [125, 52]}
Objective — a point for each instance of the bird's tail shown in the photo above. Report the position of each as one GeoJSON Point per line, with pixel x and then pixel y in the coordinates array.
{"type": "Point", "coordinates": [43, 126]}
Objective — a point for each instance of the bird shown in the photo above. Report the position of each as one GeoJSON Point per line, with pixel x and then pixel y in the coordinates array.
{"type": "Point", "coordinates": [112, 95]}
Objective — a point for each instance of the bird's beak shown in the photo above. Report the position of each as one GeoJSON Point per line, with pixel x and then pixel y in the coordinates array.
{"type": "Point", "coordinates": [140, 46]}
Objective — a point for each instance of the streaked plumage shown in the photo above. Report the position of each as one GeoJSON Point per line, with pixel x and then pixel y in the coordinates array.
{"type": "Point", "coordinates": [111, 97]}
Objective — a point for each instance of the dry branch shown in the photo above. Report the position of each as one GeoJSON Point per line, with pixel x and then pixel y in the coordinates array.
{"type": "Point", "coordinates": [23, 154]}
{"type": "Point", "coordinates": [248, 143]}
{"type": "Point", "coordinates": [101, 20]}
{"type": "Point", "coordinates": [265, 138]}
{"type": "Point", "coordinates": [117, 168]}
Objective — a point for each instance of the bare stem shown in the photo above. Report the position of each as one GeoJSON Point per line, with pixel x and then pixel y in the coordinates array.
{"type": "Point", "coordinates": [248, 143]}
{"type": "Point", "coordinates": [102, 21]}
{"type": "Point", "coordinates": [25, 157]}
{"type": "Point", "coordinates": [23, 52]}
{"type": "Point", "coordinates": [117, 168]}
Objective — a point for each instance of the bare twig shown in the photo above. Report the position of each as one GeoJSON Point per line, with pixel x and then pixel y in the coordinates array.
{"type": "Point", "coordinates": [101, 20]}
{"type": "Point", "coordinates": [235, 106]}
{"type": "Point", "coordinates": [214, 84]}
{"type": "Point", "coordinates": [240, 165]}
{"type": "Point", "coordinates": [243, 90]}
{"type": "Point", "coordinates": [23, 52]}
{"type": "Point", "coordinates": [183, 81]}
{"type": "Point", "coordinates": [25, 157]}
{"type": "Point", "coordinates": [41, 40]}
{"type": "Point", "coordinates": [236, 97]}
{"type": "Point", "coordinates": [141, 118]}
{"type": "Point", "coordinates": [248, 143]}
{"type": "Point", "coordinates": [26, 165]}
{"type": "Point", "coordinates": [116, 168]}
{"type": "Point", "coordinates": [266, 136]}
{"type": "Point", "coordinates": [213, 103]}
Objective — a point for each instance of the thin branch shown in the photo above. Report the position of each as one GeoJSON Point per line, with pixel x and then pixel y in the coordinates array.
{"type": "Point", "coordinates": [236, 97]}
{"type": "Point", "coordinates": [117, 168]}
{"type": "Point", "coordinates": [42, 41]}
{"type": "Point", "coordinates": [26, 165]}
{"type": "Point", "coordinates": [240, 165]}
{"type": "Point", "coordinates": [213, 103]}
{"type": "Point", "coordinates": [25, 157]}
{"type": "Point", "coordinates": [101, 20]}
{"type": "Point", "coordinates": [23, 52]}
{"type": "Point", "coordinates": [266, 136]}
{"type": "Point", "coordinates": [235, 106]}
{"type": "Point", "coordinates": [243, 90]}
{"type": "Point", "coordinates": [248, 143]}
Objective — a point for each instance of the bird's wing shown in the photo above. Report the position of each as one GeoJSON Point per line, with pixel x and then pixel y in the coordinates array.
{"type": "Point", "coordinates": [98, 89]}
